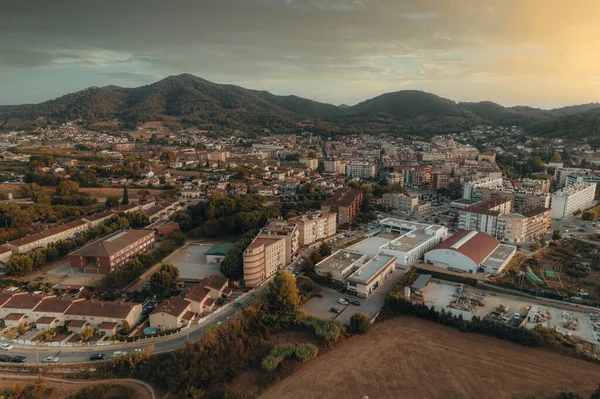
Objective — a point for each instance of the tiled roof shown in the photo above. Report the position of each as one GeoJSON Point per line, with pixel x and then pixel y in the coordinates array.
{"type": "Point", "coordinates": [174, 307]}
{"type": "Point", "coordinates": [112, 244]}
{"type": "Point", "coordinates": [45, 320]}
{"type": "Point", "coordinates": [477, 245]}
{"type": "Point", "coordinates": [14, 316]}
{"type": "Point", "coordinates": [46, 233]}
{"type": "Point", "coordinates": [107, 325]}
{"type": "Point", "coordinates": [113, 310]}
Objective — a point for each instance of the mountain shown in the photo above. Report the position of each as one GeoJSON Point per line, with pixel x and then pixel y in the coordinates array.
{"type": "Point", "coordinates": [195, 101]}
{"type": "Point", "coordinates": [577, 125]}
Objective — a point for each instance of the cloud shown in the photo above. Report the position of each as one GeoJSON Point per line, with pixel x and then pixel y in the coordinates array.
{"type": "Point", "coordinates": [330, 42]}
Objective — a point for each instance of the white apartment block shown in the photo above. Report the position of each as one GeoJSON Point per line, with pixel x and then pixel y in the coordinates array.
{"type": "Point", "coordinates": [362, 170]}
{"type": "Point", "coordinates": [468, 188]}
{"type": "Point", "coordinates": [574, 179]}
{"type": "Point", "coordinates": [569, 200]}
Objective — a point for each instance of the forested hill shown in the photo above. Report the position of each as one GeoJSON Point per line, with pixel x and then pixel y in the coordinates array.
{"type": "Point", "coordinates": [194, 101]}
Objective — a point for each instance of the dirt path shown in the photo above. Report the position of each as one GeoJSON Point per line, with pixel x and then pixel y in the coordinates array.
{"type": "Point", "coordinates": [415, 359]}
{"type": "Point", "coordinates": [65, 387]}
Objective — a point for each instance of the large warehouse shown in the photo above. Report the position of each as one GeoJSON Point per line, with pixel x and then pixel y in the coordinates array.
{"type": "Point", "coordinates": [471, 251]}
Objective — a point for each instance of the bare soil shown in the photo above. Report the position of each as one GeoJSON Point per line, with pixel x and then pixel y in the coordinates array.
{"type": "Point", "coordinates": [412, 358]}
{"type": "Point", "coordinates": [62, 388]}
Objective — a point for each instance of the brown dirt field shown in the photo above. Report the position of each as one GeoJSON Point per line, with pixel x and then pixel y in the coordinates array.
{"type": "Point", "coordinates": [416, 359]}
{"type": "Point", "coordinates": [64, 388]}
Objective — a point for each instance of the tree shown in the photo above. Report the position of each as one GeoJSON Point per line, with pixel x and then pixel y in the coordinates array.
{"type": "Point", "coordinates": [164, 280]}
{"type": "Point", "coordinates": [535, 247]}
{"type": "Point", "coordinates": [86, 334]}
{"type": "Point", "coordinates": [19, 264]}
{"type": "Point", "coordinates": [125, 196]}
{"type": "Point", "coordinates": [325, 250]}
{"type": "Point", "coordinates": [29, 190]}
{"type": "Point", "coordinates": [590, 215]}
{"type": "Point", "coordinates": [67, 188]}
{"type": "Point", "coordinates": [111, 202]}
{"type": "Point", "coordinates": [21, 329]}
{"type": "Point", "coordinates": [556, 235]}
{"type": "Point", "coordinates": [282, 296]}
{"type": "Point", "coordinates": [125, 327]}
{"type": "Point", "coordinates": [359, 323]}
{"type": "Point", "coordinates": [143, 193]}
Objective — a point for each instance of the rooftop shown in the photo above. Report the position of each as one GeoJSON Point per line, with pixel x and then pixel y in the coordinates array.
{"type": "Point", "coordinates": [220, 249]}
{"type": "Point", "coordinates": [340, 260]}
{"type": "Point", "coordinates": [372, 268]}
{"type": "Point", "coordinates": [500, 255]}
{"type": "Point", "coordinates": [475, 245]}
{"type": "Point", "coordinates": [108, 246]}
{"type": "Point", "coordinates": [421, 281]}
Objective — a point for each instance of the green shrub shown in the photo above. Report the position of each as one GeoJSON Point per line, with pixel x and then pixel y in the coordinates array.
{"type": "Point", "coordinates": [359, 323]}
{"type": "Point", "coordinates": [305, 352]}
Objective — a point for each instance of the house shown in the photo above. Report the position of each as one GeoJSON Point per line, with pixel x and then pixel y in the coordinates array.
{"type": "Point", "coordinates": [98, 218]}
{"type": "Point", "coordinates": [169, 314]}
{"type": "Point", "coordinates": [97, 312]}
{"type": "Point", "coordinates": [42, 239]}
{"type": "Point", "coordinates": [5, 254]}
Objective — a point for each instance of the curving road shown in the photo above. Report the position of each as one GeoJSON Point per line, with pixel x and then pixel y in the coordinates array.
{"type": "Point", "coordinates": [82, 354]}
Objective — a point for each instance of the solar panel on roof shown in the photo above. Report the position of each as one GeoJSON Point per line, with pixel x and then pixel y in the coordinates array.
{"type": "Point", "coordinates": [121, 234]}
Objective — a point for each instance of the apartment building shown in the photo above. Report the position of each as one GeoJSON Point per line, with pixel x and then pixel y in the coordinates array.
{"type": "Point", "coordinates": [571, 199]}
{"type": "Point", "coordinates": [314, 226]}
{"type": "Point", "coordinates": [484, 216]}
{"type": "Point", "coordinates": [43, 238]}
{"type": "Point", "coordinates": [440, 180]}
{"type": "Point", "coordinates": [334, 166]}
{"type": "Point", "coordinates": [264, 256]}
{"type": "Point", "coordinates": [361, 170]}
{"type": "Point", "coordinates": [310, 163]}
{"type": "Point", "coordinates": [345, 203]}
{"type": "Point", "coordinates": [525, 226]}
{"type": "Point", "coordinates": [291, 231]}
{"type": "Point", "coordinates": [561, 174]}
{"type": "Point", "coordinates": [401, 202]}
{"type": "Point", "coordinates": [394, 178]}
{"type": "Point", "coordinates": [110, 253]}
{"type": "Point", "coordinates": [575, 179]}
{"type": "Point", "coordinates": [470, 187]}
{"type": "Point", "coordinates": [533, 185]}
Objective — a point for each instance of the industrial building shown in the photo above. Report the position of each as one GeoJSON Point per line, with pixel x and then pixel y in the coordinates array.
{"type": "Point", "coordinates": [371, 275]}
{"type": "Point", "coordinates": [471, 252]}
{"type": "Point", "coordinates": [414, 241]}
{"type": "Point", "coordinates": [340, 264]}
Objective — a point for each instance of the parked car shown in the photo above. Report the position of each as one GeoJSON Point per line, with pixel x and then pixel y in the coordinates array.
{"type": "Point", "coordinates": [50, 359]}
{"type": "Point", "coordinates": [237, 305]}
{"type": "Point", "coordinates": [6, 347]}
{"type": "Point", "coordinates": [517, 316]}
{"type": "Point", "coordinates": [343, 301]}
{"type": "Point", "coordinates": [98, 356]}
{"type": "Point", "coordinates": [334, 310]}
{"type": "Point", "coordinates": [119, 353]}
{"type": "Point", "coordinates": [18, 359]}
{"type": "Point", "coordinates": [5, 358]}
{"type": "Point", "coordinates": [355, 302]}
{"type": "Point", "coordinates": [319, 295]}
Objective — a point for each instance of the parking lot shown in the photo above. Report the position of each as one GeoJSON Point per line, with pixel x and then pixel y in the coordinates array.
{"type": "Point", "coordinates": [63, 274]}
{"type": "Point", "coordinates": [192, 264]}
{"type": "Point", "coordinates": [440, 295]}
{"type": "Point", "coordinates": [321, 307]}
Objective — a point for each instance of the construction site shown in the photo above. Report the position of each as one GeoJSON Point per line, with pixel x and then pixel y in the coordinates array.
{"type": "Point", "coordinates": [468, 302]}
{"type": "Point", "coordinates": [567, 270]}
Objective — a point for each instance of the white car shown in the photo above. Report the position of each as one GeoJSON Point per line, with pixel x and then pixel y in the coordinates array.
{"type": "Point", "coordinates": [119, 353]}
{"type": "Point", "coordinates": [6, 347]}
{"type": "Point", "coordinates": [50, 359]}
{"type": "Point", "coordinates": [343, 301]}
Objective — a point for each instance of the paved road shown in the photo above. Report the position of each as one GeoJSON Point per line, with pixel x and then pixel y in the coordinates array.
{"type": "Point", "coordinates": [81, 354]}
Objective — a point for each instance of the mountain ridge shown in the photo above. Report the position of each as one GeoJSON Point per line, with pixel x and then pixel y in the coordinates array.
{"type": "Point", "coordinates": [195, 101]}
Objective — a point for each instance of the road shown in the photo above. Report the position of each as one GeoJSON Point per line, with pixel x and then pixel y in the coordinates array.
{"type": "Point", "coordinates": [82, 354]}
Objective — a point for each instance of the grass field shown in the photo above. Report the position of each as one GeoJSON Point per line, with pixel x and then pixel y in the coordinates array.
{"type": "Point", "coordinates": [416, 359]}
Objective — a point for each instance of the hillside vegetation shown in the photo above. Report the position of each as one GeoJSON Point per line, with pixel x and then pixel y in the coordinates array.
{"type": "Point", "coordinates": [195, 101]}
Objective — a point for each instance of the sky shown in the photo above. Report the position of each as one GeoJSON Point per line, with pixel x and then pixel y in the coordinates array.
{"type": "Point", "coordinates": [542, 53]}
